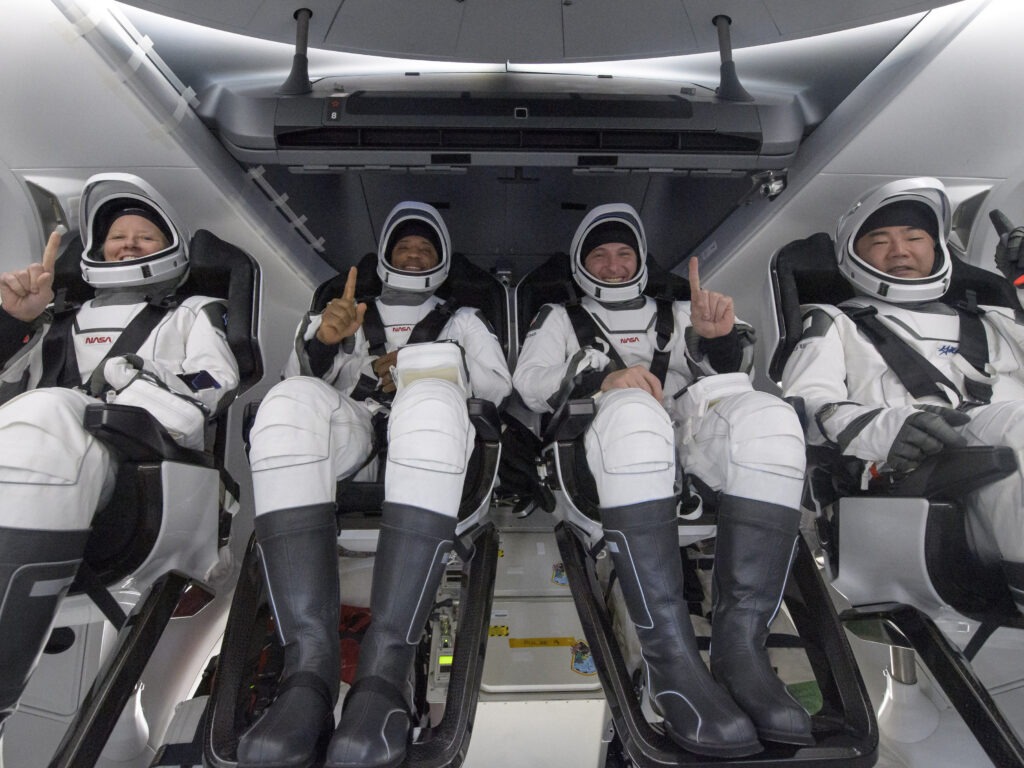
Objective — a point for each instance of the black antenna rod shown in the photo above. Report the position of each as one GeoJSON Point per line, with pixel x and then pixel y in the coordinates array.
{"type": "Point", "coordinates": [729, 86]}
{"type": "Point", "coordinates": [298, 79]}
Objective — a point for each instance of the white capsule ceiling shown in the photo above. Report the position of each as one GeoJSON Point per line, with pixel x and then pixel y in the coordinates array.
{"type": "Point", "coordinates": [534, 30]}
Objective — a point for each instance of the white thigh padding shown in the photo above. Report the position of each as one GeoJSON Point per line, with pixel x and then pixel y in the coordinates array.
{"type": "Point", "coordinates": [630, 449]}
{"type": "Point", "coordinates": [633, 433]}
{"type": "Point", "coordinates": [41, 437]}
{"type": "Point", "coordinates": [750, 445]}
{"type": "Point", "coordinates": [429, 427]}
{"type": "Point", "coordinates": [293, 424]}
{"type": "Point", "coordinates": [765, 434]}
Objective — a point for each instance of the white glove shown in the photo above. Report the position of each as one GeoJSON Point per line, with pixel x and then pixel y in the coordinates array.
{"type": "Point", "coordinates": [591, 360]}
{"type": "Point", "coordinates": [121, 371]}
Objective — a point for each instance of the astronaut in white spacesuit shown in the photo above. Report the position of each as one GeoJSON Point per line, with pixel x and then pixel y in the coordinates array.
{"type": "Point", "coordinates": [173, 360]}
{"type": "Point", "coordinates": [891, 247]}
{"type": "Point", "coordinates": [315, 428]}
{"type": "Point", "coordinates": [695, 407]}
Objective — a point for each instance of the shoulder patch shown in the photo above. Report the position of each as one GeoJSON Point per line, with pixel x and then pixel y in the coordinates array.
{"type": "Point", "coordinates": [217, 314]}
{"type": "Point", "coordinates": [541, 316]}
{"type": "Point", "coordinates": [483, 319]}
{"type": "Point", "coordinates": [815, 322]}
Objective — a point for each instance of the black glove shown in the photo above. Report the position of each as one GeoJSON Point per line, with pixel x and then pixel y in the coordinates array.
{"type": "Point", "coordinates": [925, 433]}
{"type": "Point", "coordinates": [1010, 251]}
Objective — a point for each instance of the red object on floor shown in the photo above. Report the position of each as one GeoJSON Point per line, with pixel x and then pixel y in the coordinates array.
{"type": "Point", "coordinates": [351, 629]}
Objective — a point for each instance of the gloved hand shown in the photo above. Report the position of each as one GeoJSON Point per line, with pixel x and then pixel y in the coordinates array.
{"type": "Point", "coordinates": [382, 367]}
{"type": "Point", "coordinates": [924, 433]}
{"type": "Point", "coordinates": [121, 371]}
{"type": "Point", "coordinates": [1010, 251]}
{"type": "Point", "coordinates": [587, 359]}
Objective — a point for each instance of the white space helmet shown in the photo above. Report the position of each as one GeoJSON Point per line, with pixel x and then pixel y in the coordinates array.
{"type": "Point", "coordinates": [931, 200]}
{"type": "Point", "coordinates": [614, 222]}
{"type": "Point", "coordinates": [410, 218]}
{"type": "Point", "coordinates": [109, 195]}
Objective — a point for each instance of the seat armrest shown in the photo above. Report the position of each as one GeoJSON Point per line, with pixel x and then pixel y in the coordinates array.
{"type": "Point", "coordinates": [484, 416]}
{"type": "Point", "coordinates": [135, 435]}
{"type": "Point", "coordinates": [570, 421]}
{"type": "Point", "coordinates": [951, 474]}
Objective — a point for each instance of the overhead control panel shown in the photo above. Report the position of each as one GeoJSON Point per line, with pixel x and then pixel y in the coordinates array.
{"type": "Point", "coordinates": [503, 119]}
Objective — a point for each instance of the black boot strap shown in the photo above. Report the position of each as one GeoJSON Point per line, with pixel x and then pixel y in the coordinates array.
{"type": "Point", "coordinates": [307, 680]}
{"type": "Point", "coordinates": [381, 687]}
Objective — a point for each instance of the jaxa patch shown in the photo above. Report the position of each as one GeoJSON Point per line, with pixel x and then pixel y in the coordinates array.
{"type": "Point", "coordinates": [583, 660]}
{"type": "Point", "coordinates": [558, 575]}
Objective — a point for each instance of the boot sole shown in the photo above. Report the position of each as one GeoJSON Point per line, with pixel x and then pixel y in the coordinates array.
{"type": "Point", "coordinates": [798, 739]}
{"type": "Point", "coordinates": [711, 750]}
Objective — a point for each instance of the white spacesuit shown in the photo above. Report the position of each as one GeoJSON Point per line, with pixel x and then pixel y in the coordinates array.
{"type": "Point", "coordinates": [54, 475]}
{"type": "Point", "coordinates": [315, 428]}
{"type": "Point", "coordinates": [857, 402]}
{"type": "Point", "coordinates": [747, 445]}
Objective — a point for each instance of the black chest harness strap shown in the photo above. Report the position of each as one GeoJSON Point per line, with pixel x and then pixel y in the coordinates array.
{"type": "Point", "coordinates": [587, 333]}
{"type": "Point", "coordinates": [60, 364]}
{"type": "Point", "coordinates": [427, 329]}
{"type": "Point", "coordinates": [920, 377]}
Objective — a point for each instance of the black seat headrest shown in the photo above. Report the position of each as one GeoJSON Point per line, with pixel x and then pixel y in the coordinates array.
{"type": "Point", "coordinates": [222, 270]}
{"type": "Point", "coordinates": [802, 272]}
{"type": "Point", "coordinates": [67, 274]}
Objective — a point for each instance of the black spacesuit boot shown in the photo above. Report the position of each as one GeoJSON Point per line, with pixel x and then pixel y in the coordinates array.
{"type": "Point", "coordinates": [299, 551]}
{"type": "Point", "coordinates": [412, 553]}
{"type": "Point", "coordinates": [643, 541]}
{"type": "Point", "coordinates": [36, 570]}
{"type": "Point", "coordinates": [753, 550]}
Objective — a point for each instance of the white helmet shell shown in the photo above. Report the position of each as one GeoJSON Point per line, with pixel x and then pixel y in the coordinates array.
{"type": "Point", "coordinates": [417, 282]}
{"type": "Point", "coordinates": [874, 282]}
{"type": "Point", "coordinates": [107, 192]}
{"type": "Point", "coordinates": [610, 293]}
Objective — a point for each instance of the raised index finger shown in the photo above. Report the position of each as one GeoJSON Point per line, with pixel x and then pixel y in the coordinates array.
{"type": "Point", "coordinates": [350, 284]}
{"type": "Point", "coordinates": [1001, 222]}
{"type": "Point", "coordinates": [694, 277]}
{"type": "Point", "coordinates": [50, 252]}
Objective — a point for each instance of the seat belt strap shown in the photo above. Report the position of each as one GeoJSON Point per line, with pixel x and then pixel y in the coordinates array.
{"type": "Point", "coordinates": [430, 327]}
{"type": "Point", "coordinates": [587, 333]}
{"type": "Point", "coordinates": [920, 377]}
{"type": "Point", "coordinates": [664, 325]}
{"type": "Point", "coordinates": [974, 346]}
{"type": "Point", "coordinates": [101, 596]}
{"type": "Point", "coordinates": [373, 328]}
{"type": "Point", "coordinates": [58, 347]}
